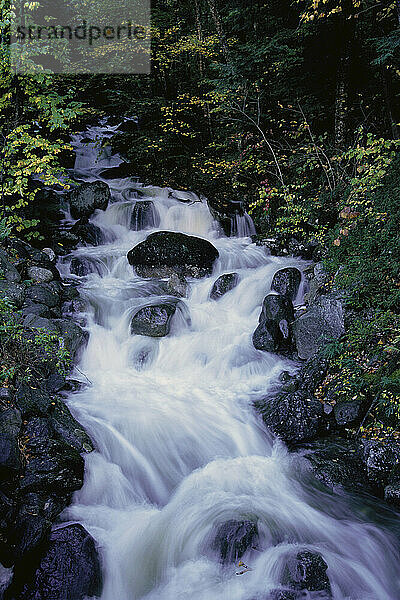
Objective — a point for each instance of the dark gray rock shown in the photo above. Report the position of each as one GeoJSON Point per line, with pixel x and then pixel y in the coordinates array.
{"type": "Point", "coordinates": [392, 489]}
{"type": "Point", "coordinates": [349, 412]}
{"type": "Point", "coordinates": [224, 284]}
{"type": "Point", "coordinates": [165, 252]}
{"type": "Point", "coordinates": [324, 320]}
{"type": "Point", "coordinates": [29, 532]}
{"type": "Point", "coordinates": [177, 286]}
{"type": "Point", "coordinates": [7, 269]}
{"type": "Point", "coordinates": [287, 282]}
{"type": "Point", "coordinates": [53, 467]}
{"type": "Point", "coordinates": [81, 266]}
{"type": "Point", "coordinates": [32, 401]}
{"type": "Point", "coordinates": [144, 216]}
{"type": "Point", "coordinates": [306, 572]}
{"type": "Point", "coordinates": [88, 197]}
{"type": "Point", "coordinates": [273, 333]}
{"type": "Point", "coordinates": [14, 292]}
{"type": "Point", "coordinates": [293, 417]}
{"type": "Point", "coordinates": [154, 320]}
{"type": "Point", "coordinates": [39, 274]}
{"type": "Point", "coordinates": [45, 293]}
{"type": "Point", "coordinates": [381, 460]}
{"type": "Point", "coordinates": [318, 280]}
{"type": "Point", "coordinates": [38, 310]}
{"type": "Point", "coordinates": [87, 232]}
{"type": "Point", "coordinates": [339, 464]}
{"type": "Point", "coordinates": [234, 538]}
{"type": "Point", "coordinates": [10, 456]}
{"type": "Point", "coordinates": [75, 338]}
{"type": "Point", "coordinates": [68, 570]}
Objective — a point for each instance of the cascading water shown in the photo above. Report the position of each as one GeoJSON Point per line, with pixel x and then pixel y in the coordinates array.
{"type": "Point", "coordinates": [179, 448]}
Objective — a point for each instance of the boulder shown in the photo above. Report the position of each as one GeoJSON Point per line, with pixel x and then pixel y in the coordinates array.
{"type": "Point", "coordinates": [349, 412]}
{"type": "Point", "coordinates": [45, 293]}
{"type": "Point", "coordinates": [39, 310]}
{"type": "Point", "coordinates": [69, 569]}
{"type": "Point", "coordinates": [339, 464]}
{"type": "Point", "coordinates": [88, 197]}
{"type": "Point", "coordinates": [324, 320]}
{"type": "Point", "coordinates": [75, 338]}
{"type": "Point", "coordinates": [294, 417]}
{"type": "Point", "coordinates": [144, 216]}
{"type": "Point", "coordinates": [167, 252]}
{"type": "Point", "coordinates": [381, 460]}
{"type": "Point", "coordinates": [53, 467]}
{"type": "Point", "coordinates": [50, 253]}
{"type": "Point", "coordinates": [286, 282]}
{"type": "Point", "coordinates": [14, 292]}
{"type": "Point", "coordinates": [81, 266]}
{"type": "Point", "coordinates": [154, 320]}
{"type": "Point", "coordinates": [177, 286]}
{"type": "Point", "coordinates": [234, 538]}
{"type": "Point", "coordinates": [10, 456]}
{"type": "Point", "coordinates": [392, 489]}
{"type": "Point", "coordinates": [224, 284]}
{"type": "Point", "coordinates": [7, 269]}
{"type": "Point", "coordinates": [29, 531]}
{"type": "Point", "coordinates": [273, 333]}
{"type": "Point", "coordinates": [39, 274]}
{"type": "Point", "coordinates": [87, 232]}
{"type": "Point", "coordinates": [305, 576]}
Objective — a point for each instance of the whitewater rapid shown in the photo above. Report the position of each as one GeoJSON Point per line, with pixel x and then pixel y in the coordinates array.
{"type": "Point", "coordinates": [179, 449]}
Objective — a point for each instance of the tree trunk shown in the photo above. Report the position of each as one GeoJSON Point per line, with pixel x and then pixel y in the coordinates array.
{"type": "Point", "coordinates": [218, 26]}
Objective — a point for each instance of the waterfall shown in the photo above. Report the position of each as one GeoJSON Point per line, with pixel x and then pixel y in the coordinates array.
{"type": "Point", "coordinates": [179, 449]}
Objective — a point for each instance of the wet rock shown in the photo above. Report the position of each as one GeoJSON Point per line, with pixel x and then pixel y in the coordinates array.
{"type": "Point", "coordinates": [273, 333]}
{"type": "Point", "coordinates": [75, 338]}
{"type": "Point", "coordinates": [88, 197]}
{"type": "Point", "coordinates": [68, 570]}
{"type": "Point", "coordinates": [39, 275]}
{"type": "Point", "coordinates": [392, 489]}
{"type": "Point", "coordinates": [177, 286]}
{"type": "Point", "coordinates": [286, 282]}
{"type": "Point", "coordinates": [154, 320]}
{"type": "Point", "coordinates": [29, 531]}
{"type": "Point", "coordinates": [7, 512]}
{"type": "Point", "coordinates": [53, 466]}
{"type": "Point", "coordinates": [317, 280]}
{"type": "Point", "coordinates": [225, 212]}
{"type": "Point", "coordinates": [50, 253]}
{"type": "Point", "coordinates": [224, 284]}
{"type": "Point", "coordinates": [7, 269]}
{"type": "Point", "coordinates": [324, 320]}
{"type": "Point", "coordinates": [10, 456]}
{"type": "Point", "coordinates": [123, 170]}
{"type": "Point", "coordinates": [349, 412]}
{"type": "Point", "coordinates": [144, 216]}
{"type": "Point", "coordinates": [45, 293]}
{"type": "Point", "coordinates": [39, 310]}
{"type": "Point", "coordinates": [88, 233]}
{"type": "Point", "coordinates": [14, 292]}
{"type": "Point", "coordinates": [32, 401]}
{"type": "Point", "coordinates": [294, 417]}
{"type": "Point", "coordinates": [339, 464]}
{"type": "Point", "coordinates": [66, 240]}
{"type": "Point", "coordinates": [234, 538]}
{"type": "Point", "coordinates": [304, 574]}
{"type": "Point", "coordinates": [165, 252]}
{"type": "Point", "coordinates": [381, 460]}
{"type": "Point", "coordinates": [81, 266]}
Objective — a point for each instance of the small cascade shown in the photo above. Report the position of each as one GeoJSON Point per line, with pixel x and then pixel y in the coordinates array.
{"type": "Point", "coordinates": [180, 450]}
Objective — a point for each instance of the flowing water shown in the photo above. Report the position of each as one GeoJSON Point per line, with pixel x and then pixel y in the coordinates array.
{"type": "Point", "coordinates": [180, 450]}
